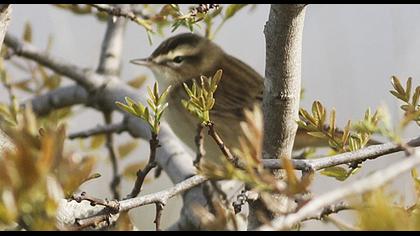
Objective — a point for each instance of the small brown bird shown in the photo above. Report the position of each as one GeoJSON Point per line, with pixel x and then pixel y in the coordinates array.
{"type": "Point", "coordinates": [187, 56]}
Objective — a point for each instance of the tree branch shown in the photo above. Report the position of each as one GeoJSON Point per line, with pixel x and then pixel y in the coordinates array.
{"type": "Point", "coordinates": [113, 155]}
{"type": "Point", "coordinates": [328, 210]}
{"type": "Point", "coordinates": [59, 98]}
{"type": "Point", "coordinates": [100, 129]}
{"type": "Point", "coordinates": [141, 174]}
{"type": "Point", "coordinates": [360, 155]}
{"type": "Point", "coordinates": [199, 143]}
{"type": "Point", "coordinates": [60, 66]}
{"type": "Point", "coordinates": [283, 33]}
{"type": "Point", "coordinates": [366, 184]}
{"type": "Point", "coordinates": [172, 157]}
{"type": "Point", "coordinates": [116, 11]}
{"type": "Point", "coordinates": [112, 45]}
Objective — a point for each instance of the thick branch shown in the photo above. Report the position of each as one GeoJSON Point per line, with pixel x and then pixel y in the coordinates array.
{"type": "Point", "coordinates": [366, 184]}
{"type": "Point", "coordinates": [59, 98]}
{"type": "Point", "coordinates": [112, 45]}
{"type": "Point", "coordinates": [283, 33]}
{"type": "Point", "coordinates": [68, 210]}
{"type": "Point", "coordinates": [60, 66]}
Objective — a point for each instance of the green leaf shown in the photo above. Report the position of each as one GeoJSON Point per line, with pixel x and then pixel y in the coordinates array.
{"type": "Point", "coordinates": [138, 109]}
{"type": "Point", "coordinates": [397, 85]}
{"type": "Point", "coordinates": [126, 148]}
{"type": "Point", "coordinates": [416, 95]}
{"type": "Point", "coordinates": [129, 101]}
{"type": "Point", "coordinates": [151, 94]}
{"type": "Point", "coordinates": [156, 91]}
{"type": "Point", "coordinates": [408, 88]}
{"type": "Point", "coordinates": [317, 134]}
{"type": "Point", "coordinates": [339, 173]}
{"type": "Point", "coordinates": [146, 115]}
{"type": "Point", "coordinates": [125, 108]}
{"type": "Point", "coordinates": [189, 92]}
{"type": "Point", "coordinates": [346, 132]}
{"type": "Point", "coordinates": [163, 96]}
{"type": "Point", "coordinates": [399, 96]}
{"type": "Point", "coordinates": [332, 123]}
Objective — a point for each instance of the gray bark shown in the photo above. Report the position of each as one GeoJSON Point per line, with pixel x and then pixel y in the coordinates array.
{"type": "Point", "coordinates": [283, 33]}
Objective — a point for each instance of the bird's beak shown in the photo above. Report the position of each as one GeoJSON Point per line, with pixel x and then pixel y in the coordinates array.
{"type": "Point", "coordinates": [142, 61]}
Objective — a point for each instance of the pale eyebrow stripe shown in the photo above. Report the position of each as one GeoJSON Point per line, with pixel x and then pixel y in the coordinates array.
{"type": "Point", "coordinates": [179, 51]}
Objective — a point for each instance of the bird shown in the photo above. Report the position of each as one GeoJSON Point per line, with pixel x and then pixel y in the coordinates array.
{"type": "Point", "coordinates": [188, 56]}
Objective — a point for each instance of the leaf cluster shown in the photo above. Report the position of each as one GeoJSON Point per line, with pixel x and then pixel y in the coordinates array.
{"type": "Point", "coordinates": [152, 114]}
{"type": "Point", "coordinates": [411, 106]}
{"type": "Point", "coordinates": [201, 97]}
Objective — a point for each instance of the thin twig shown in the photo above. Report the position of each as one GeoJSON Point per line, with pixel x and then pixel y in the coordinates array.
{"type": "Point", "coordinates": [100, 129]}
{"type": "Point", "coordinates": [159, 209]}
{"type": "Point", "coordinates": [199, 143]}
{"type": "Point", "coordinates": [328, 210]}
{"type": "Point", "coordinates": [116, 11]}
{"type": "Point", "coordinates": [225, 150]}
{"type": "Point", "coordinates": [360, 155]}
{"type": "Point", "coordinates": [358, 187]}
{"type": "Point", "coordinates": [113, 155]}
{"type": "Point", "coordinates": [141, 174]}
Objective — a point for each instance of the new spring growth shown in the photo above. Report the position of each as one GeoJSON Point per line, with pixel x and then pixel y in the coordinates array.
{"type": "Point", "coordinates": [201, 99]}
{"type": "Point", "coordinates": [153, 113]}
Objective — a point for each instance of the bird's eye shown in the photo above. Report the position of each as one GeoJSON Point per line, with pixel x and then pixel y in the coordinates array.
{"type": "Point", "coordinates": [178, 59]}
